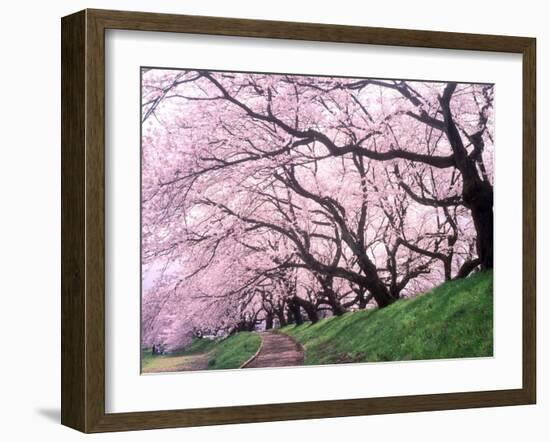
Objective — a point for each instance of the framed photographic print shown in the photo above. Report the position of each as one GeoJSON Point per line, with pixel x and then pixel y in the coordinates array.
{"type": "Point", "coordinates": [267, 220]}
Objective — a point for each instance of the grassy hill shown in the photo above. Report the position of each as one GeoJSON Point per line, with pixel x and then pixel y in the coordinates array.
{"type": "Point", "coordinates": [453, 320]}
{"type": "Point", "coordinates": [234, 351]}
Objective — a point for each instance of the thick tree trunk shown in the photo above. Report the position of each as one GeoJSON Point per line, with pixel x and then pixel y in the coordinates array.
{"type": "Point", "coordinates": [373, 283]}
{"type": "Point", "coordinates": [467, 268]}
{"type": "Point", "coordinates": [381, 294]}
{"type": "Point", "coordinates": [476, 193]}
{"type": "Point", "coordinates": [337, 308]}
{"type": "Point", "coordinates": [309, 308]}
{"type": "Point", "coordinates": [268, 321]}
{"type": "Point", "coordinates": [364, 300]}
{"type": "Point", "coordinates": [482, 214]}
{"type": "Point", "coordinates": [281, 317]}
{"type": "Point", "coordinates": [331, 298]}
{"type": "Point", "coordinates": [294, 308]}
{"type": "Point", "coordinates": [289, 316]}
{"type": "Point", "coordinates": [478, 197]}
{"type": "Point", "coordinates": [483, 220]}
{"type": "Point", "coordinates": [447, 266]}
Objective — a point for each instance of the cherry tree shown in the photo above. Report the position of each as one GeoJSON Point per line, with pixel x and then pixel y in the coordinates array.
{"type": "Point", "coordinates": [273, 197]}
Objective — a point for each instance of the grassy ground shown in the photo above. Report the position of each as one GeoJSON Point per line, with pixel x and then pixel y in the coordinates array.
{"type": "Point", "coordinates": [204, 354]}
{"type": "Point", "coordinates": [234, 351]}
{"type": "Point", "coordinates": [454, 320]}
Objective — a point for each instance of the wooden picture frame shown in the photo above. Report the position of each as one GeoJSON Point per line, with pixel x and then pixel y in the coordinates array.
{"type": "Point", "coordinates": [83, 220]}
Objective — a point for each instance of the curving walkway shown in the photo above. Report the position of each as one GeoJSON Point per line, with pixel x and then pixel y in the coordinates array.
{"type": "Point", "coordinates": [276, 350]}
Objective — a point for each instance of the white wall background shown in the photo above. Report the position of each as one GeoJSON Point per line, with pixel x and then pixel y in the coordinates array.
{"type": "Point", "coordinates": [30, 217]}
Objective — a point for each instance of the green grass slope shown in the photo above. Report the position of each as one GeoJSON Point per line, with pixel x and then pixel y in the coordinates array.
{"type": "Point", "coordinates": [453, 320]}
{"type": "Point", "coordinates": [204, 354]}
{"type": "Point", "coordinates": [233, 351]}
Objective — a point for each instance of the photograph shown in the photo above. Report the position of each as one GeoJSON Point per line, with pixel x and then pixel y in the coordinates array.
{"type": "Point", "coordinates": [291, 220]}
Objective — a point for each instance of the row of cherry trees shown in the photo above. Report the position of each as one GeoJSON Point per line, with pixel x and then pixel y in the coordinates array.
{"type": "Point", "coordinates": [280, 198]}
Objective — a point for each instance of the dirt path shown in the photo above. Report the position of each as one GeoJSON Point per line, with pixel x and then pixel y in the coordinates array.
{"type": "Point", "coordinates": [277, 350]}
{"type": "Point", "coordinates": [171, 363]}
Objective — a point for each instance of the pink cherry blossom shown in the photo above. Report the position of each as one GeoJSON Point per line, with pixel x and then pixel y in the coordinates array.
{"type": "Point", "coordinates": [275, 198]}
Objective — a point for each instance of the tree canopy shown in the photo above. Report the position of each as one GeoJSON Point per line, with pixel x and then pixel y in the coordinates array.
{"type": "Point", "coordinates": [278, 198]}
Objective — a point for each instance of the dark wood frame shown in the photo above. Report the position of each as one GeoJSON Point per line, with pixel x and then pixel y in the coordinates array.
{"type": "Point", "coordinates": [83, 217]}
